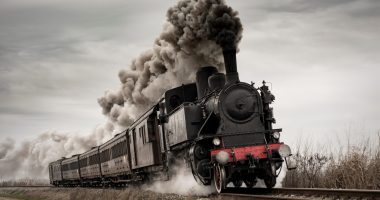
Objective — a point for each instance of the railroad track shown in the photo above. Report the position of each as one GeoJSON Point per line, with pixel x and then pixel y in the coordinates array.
{"type": "Point", "coordinates": [299, 193]}
{"type": "Point", "coordinates": [28, 186]}
{"type": "Point", "coordinates": [278, 193]}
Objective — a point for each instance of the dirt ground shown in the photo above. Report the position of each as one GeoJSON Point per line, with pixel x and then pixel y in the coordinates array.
{"type": "Point", "coordinates": [50, 193]}
{"type": "Point", "coordinates": [6, 198]}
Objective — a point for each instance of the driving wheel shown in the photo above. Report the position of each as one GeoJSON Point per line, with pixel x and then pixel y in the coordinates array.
{"type": "Point", "coordinates": [219, 178]}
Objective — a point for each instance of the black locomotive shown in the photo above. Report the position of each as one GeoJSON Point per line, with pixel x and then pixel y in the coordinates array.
{"type": "Point", "coordinates": [221, 127]}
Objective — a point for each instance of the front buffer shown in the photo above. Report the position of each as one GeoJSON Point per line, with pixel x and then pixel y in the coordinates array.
{"type": "Point", "coordinates": [246, 164]}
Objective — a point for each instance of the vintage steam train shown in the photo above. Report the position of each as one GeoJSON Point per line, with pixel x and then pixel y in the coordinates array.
{"type": "Point", "coordinates": [220, 127]}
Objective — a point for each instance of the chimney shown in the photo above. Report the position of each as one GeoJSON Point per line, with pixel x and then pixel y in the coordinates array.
{"type": "Point", "coordinates": [229, 55]}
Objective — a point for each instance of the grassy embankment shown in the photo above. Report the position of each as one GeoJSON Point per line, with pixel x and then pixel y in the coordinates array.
{"type": "Point", "coordinates": [352, 167]}
{"type": "Point", "coordinates": [86, 194]}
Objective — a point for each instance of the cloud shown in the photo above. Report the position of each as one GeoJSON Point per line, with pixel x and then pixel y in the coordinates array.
{"type": "Point", "coordinates": [322, 62]}
{"type": "Point", "coordinates": [31, 158]}
{"type": "Point", "coordinates": [57, 57]}
{"type": "Point", "coordinates": [52, 52]}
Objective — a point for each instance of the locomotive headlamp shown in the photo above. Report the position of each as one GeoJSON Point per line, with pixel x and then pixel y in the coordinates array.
{"type": "Point", "coordinates": [276, 135]}
{"type": "Point", "coordinates": [216, 141]}
{"type": "Point", "coordinates": [284, 151]}
{"type": "Point", "coordinates": [222, 157]}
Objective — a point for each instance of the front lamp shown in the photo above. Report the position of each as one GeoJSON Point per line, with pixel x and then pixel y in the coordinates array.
{"type": "Point", "coordinates": [284, 151]}
{"type": "Point", "coordinates": [216, 141]}
{"type": "Point", "coordinates": [276, 135]}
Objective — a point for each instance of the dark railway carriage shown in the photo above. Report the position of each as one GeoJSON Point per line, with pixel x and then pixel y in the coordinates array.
{"type": "Point", "coordinates": [70, 171]}
{"type": "Point", "coordinates": [144, 143]}
{"type": "Point", "coordinates": [55, 172]}
{"type": "Point", "coordinates": [114, 159]}
{"type": "Point", "coordinates": [89, 165]}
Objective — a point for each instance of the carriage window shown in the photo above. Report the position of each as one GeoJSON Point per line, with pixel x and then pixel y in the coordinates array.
{"type": "Point", "coordinates": [65, 167]}
{"type": "Point", "coordinates": [73, 165]}
{"type": "Point", "coordinates": [92, 160]}
{"type": "Point", "coordinates": [118, 149]}
{"type": "Point", "coordinates": [95, 159]}
{"type": "Point", "coordinates": [105, 156]}
{"type": "Point", "coordinates": [124, 146]}
{"type": "Point", "coordinates": [113, 150]}
{"type": "Point", "coordinates": [83, 162]}
{"type": "Point", "coordinates": [143, 134]}
{"type": "Point", "coordinates": [150, 126]}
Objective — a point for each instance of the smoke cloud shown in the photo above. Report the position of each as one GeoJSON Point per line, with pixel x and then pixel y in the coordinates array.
{"type": "Point", "coordinates": [192, 37]}
{"type": "Point", "coordinates": [31, 158]}
{"type": "Point", "coordinates": [182, 182]}
{"type": "Point", "coordinates": [5, 147]}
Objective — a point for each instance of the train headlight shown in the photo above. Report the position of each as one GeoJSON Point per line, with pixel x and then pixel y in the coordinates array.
{"type": "Point", "coordinates": [276, 135]}
{"type": "Point", "coordinates": [216, 141]}
{"type": "Point", "coordinates": [284, 151]}
{"type": "Point", "coordinates": [222, 157]}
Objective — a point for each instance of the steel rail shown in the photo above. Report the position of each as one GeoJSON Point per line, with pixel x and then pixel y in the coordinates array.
{"type": "Point", "coordinates": [258, 197]}
{"type": "Point", "coordinates": [329, 192]}
{"type": "Point", "coordinates": [275, 193]}
{"type": "Point", "coordinates": [300, 193]}
{"type": "Point", "coordinates": [26, 186]}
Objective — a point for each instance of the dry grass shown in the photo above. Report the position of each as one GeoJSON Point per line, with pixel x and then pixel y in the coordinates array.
{"type": "Point", "coordinates": [87, 194]}
{"type": "Point", "coordinates": [24, 182]}
{"type": "Point", "coordinates": [356, 167]}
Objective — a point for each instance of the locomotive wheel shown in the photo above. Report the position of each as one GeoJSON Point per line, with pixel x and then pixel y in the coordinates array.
{"type": "Point", "coordinates": [204, 172]}
{"type": "Point", "coordinates": [219, 178]}
{"type": "Point", "coordinates": [270, 181]}
{"type": "Point", "coordinates": [250, 183]}
{"type": "Point", "coordinates": [199, 152]}
{"type": "Point", "coordinates": [250, 180]}
{"type": "Point", "coordinates": [237, 183]}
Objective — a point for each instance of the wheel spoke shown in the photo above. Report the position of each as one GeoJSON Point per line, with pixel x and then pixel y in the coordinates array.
{"type": "Point", "coordinates": [219, 178]}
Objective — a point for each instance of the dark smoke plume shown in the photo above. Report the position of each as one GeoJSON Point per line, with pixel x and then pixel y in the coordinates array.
{"type": "Point", "coordinates": [193, 37]}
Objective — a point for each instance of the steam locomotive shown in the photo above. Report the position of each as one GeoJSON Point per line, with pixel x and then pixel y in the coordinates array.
{"type": "Point", "coordinates": [220, 127]}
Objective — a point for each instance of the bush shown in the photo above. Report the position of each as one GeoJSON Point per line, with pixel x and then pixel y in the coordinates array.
{"type": "Point", "coordinates": [24, 182]}
{"type": "Point", "coordinates": [358, 167]}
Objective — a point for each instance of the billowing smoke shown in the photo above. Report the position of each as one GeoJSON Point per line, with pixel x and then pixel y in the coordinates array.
{"type": "Point", "coordinates": [6, 146]}
{"type": "Point", "coordinates": [30, 159]}
{"type": "Point", "coordinates": [193, 37]}
{"type": "Point", "coordinates": [182, 182]}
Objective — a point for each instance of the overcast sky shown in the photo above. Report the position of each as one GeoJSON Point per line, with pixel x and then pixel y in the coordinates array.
{"type": "Point", "coordinates": [321, 56]}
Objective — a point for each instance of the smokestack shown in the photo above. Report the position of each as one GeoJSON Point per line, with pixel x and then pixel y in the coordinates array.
{"type": "Point", "coordinates": [229, 55]}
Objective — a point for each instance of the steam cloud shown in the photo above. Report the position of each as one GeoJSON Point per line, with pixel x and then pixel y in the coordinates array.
{"type": "Point", "coordinates": [182, 182]}
{"type": "Point", "coordinates": [30, 159]}
{"type": "Point", "coordinates": [193, 37]}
